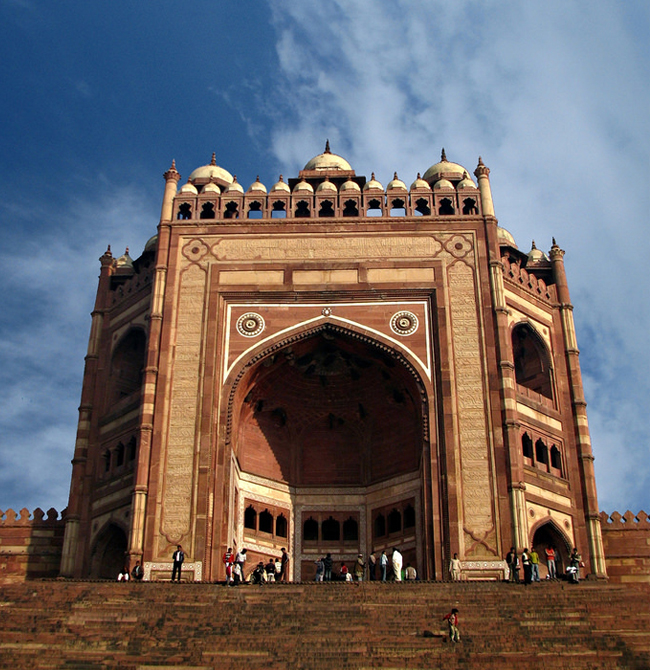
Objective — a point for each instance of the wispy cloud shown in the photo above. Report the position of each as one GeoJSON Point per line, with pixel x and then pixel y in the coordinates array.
{"type": "Point", "coordinates": [556, 100]}
{"type": "Point", "coordinates": [49, 283]}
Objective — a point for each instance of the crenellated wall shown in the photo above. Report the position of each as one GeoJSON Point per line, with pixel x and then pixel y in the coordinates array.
{"type": "Point", "coordinates": [626, 540]}
{"type": "Point", "coordinates": [30, 547]}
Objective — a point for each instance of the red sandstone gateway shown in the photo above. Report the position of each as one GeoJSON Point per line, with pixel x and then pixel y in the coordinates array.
{"type": "Point", "coordinates": [331, 367]}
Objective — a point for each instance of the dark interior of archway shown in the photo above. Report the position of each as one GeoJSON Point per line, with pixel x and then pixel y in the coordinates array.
{"type": "Point", "coordinates": [547, 535]}
{"type": "Point", "coordinates": [108, 553]}
{"type": "Point", "coordinates": [330, 411]}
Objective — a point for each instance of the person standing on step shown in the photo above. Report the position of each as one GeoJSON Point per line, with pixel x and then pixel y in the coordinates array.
{"type": "Point", "coordinates": [320, 569]}
{"type": "Point", "coordinates": [550, 562]}
{"type": "Point", "coordinates": [359, 567]}
{"type": "Point", "coordinates": [410, 574]}
{"type": "Point", "coordinates": [383, 564]}
{"type": "Point", "coordinates": [534, 565]}
{"type": "Point", "coordinates": [177, 557]}
{"type": "Point", "coordinates": [328, 563]}
{"type": "Point", "coordinates": [228, 559]}
{"type": "Point", "coordinates": [525, 561]}
{"type": "Point", "coordinates": [240, 560]}
{"type": "Point", "coordinates": [454, 568]}
{"type": "Point", "coordinates": [372, 567]}
{"type": "Point", "coordinates": [574, 565]}
{"type": "Point", "coordinates": [396, 560]}
{"type": "Point", "coordinates": [511, 561]}
{"type": "Point", "coordinates": [284, 566]}
{"type": "Point", "coordinates": [137, 573]}
{"type": "Point", "coordinates": [452, 620]}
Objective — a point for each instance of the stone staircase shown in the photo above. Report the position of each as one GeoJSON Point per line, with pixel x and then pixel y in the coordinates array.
{"type": "Point", "coordinates": [66, 624]}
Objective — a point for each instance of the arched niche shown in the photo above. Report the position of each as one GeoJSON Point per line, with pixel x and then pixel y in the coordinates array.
{"type": "Point", "coordinates": [546, 534]}
{"type": "Point", "coordinates": [330, 409]}
{"type": "Point", "coordinates": [108, 553]}
{"type": "Point", "coordinates": [127, 364]}
{"type": "Point", "coordinates": [532, 360]}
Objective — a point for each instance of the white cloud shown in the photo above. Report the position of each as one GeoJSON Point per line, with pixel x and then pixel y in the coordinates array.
{"type": "Point", "coordinates": [556, 100]}
{"type": "Point", "coordinates": [49, 283]}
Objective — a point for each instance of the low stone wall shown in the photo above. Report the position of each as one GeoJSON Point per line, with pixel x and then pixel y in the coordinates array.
{"type": "Point", "coordinates": [30, 546]}
{"type": "Point", "coordinates": [626, 540]}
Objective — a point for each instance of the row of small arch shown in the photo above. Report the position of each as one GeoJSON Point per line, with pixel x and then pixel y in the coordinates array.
{"type": "Point", "coordinates": [350, 208]}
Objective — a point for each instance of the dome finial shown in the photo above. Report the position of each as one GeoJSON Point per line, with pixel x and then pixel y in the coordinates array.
{"type": "Point", "coordinates": [394, 175]}
{"type": "Point", "coordinates": [372, 176]}
{"type": "Point", "coordinates": [533, 247]}
{"type": "Point", "coordinates": [327, 147]}
{"type": "Point", "coordinates": [554, 242]}
{"type": "Point", "coordinates": [443, 155]}
{"type": "Point", "coordinates": [173, 164]}
{"type": "Point", "coordinates": [280, 179]}
{"type": "Point", "coordinates": [234, 179]}
{"type": "Point", "coordinates": [418, 177]}
{"type": "Point", "coordinates": [480, 161]}
{"type": "Point", "coordinates": [214, 158]}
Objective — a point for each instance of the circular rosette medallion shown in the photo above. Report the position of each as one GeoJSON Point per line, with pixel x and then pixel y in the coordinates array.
{"type": "Point", "coordinates": [250, 324]}
{"type": "Point", "coordinates": [404, 323]}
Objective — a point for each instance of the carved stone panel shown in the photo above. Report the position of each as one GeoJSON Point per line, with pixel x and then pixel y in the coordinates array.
{"type": "Point", "coordinates": [179, 465]}
{"type": "Point", "coordinates": [471, 407]}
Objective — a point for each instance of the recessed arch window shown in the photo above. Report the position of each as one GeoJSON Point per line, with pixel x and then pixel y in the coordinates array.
{"type": "Point", "coordinates": [331, 529]}
{"type": "Point", "coordinates": [398, 207]}
{"type": "Point", "coordinates": [422, 207]}
{"type": "Point", "coordinates": [374, 208]}
{"type": "Point", "coordinates": [127, 364]}
{"type": "Point", "coordinates": [207, 211]}
{"type": "Point", "coordinates": [326, 208]}
{"type": "Point", "coordinates": [380, 525]}
{"type": "Point", "coordinates": [255, 210]}
{"type": "Point", "coordinates": [266, 522]}
{"type": "Point", "coordinates": [250, 518]}
{"type": "Point", "coordinates": [541, 453]}
{"type": "Point", "coordinates": [527, 446]}
{"type": "Point", "coordinates": [350, 208]}
{"type": "Point", "coordinates": [310, 530]}
{"type": "Point", "coordinates": [281, 526]}
{"type": "Point", "coordinates": [231, 211]}
{"type": "Point", "coordinates": [469, 206]}
{"type": "Point", "coordinates": [409, 517]}
{"type": "Point", "coordinates": [556, 459]}
{"type": "Point", "coordinates": [106, 459]}
{"type": "Point", "coordinates": [350, 530]}
{"type": "Point", "coordinates": [131, 449]}
{"type": "Point", "coordinates": [302, 209]}
{"type": "Point", "coordinates": [394, 521]}
{"type": "Point", "coordinates": [532, 360]}
{"type": "Point", "coordinates": [184, 211]}
{"type": "Point", "coordinates": [446, 207]}
{"type": "Point", "coordinates": [119, 455]}
{"type": "Point", "coordinates": [279, 210]}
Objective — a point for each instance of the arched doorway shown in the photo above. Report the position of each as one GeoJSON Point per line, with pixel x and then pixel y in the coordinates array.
{"type": "Point", "coordinates": [328, 432]}
{"type": "Point", "coordinates": [548, 535]}
{"type": "Point", "coordinates": [108, 553]}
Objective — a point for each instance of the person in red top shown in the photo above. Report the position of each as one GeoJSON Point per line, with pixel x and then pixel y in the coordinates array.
{"type": "Point", "coordinates": [550, 562]}
{"type": "Point", "coordinates": [228, 559]}
{"type": "Point", "coordinates": [452, 620]}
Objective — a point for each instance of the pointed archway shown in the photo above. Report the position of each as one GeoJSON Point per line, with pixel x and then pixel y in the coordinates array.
{"type": "Point", "coordinates": [331, 427]}
{"type": "Point", "coordinates": [548, 535]}
{"type": "Point", "coordinates": [108, 553]}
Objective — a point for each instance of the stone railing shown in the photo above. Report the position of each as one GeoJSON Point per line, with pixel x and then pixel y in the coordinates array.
{"type": "Point", "coordinates": [30, 546]}
{"type": "Point", "coordinates": [626, 540]}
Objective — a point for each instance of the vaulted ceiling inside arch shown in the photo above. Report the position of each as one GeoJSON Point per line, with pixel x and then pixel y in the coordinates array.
{"type": "Point", "coordinates": [330, 411]}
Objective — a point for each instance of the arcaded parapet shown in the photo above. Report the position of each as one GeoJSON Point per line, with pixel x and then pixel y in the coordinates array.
{"type": "Point", "coordinates": [30, 546]}
{"type": "Point", "coordinates": [626, 540]}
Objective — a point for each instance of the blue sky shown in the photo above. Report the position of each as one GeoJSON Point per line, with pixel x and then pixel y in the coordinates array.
{"type": "Point", "coordinates": [97, 98]}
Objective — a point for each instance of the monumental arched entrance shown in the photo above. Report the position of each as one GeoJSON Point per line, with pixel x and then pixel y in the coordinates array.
{"type": "Point", "coordinates": [330, 452]}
